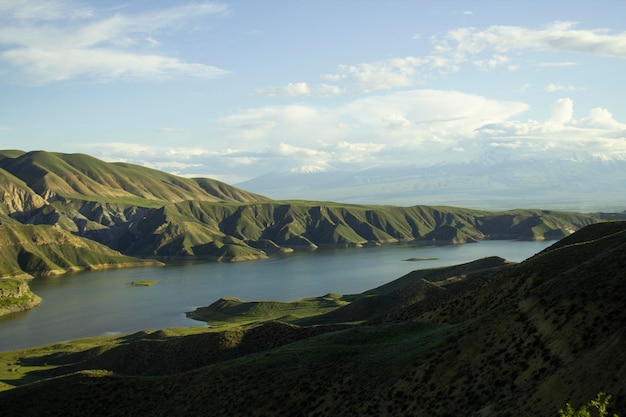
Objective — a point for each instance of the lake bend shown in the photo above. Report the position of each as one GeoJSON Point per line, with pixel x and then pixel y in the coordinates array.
{"type": "Point", "coordinates": [94, 303]}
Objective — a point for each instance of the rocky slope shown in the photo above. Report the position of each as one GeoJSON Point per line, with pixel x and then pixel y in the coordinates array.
{"type": "Point", "coordinates": [488, 338]}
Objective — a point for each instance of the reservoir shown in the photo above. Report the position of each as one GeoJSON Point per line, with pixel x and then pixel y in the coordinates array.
{"type": "Point", "coordinates": [97, 303]}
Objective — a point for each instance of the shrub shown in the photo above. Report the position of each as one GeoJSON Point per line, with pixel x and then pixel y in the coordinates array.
{"type": "Point", "coordinates": [593, 408]}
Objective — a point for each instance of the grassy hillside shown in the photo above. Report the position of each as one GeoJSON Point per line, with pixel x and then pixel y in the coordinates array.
{"type": "Point", "coordinates": [46, 250]}
{"type": "Point", "coordinates": [487, 338]}
{"type": "Point", "coordinates": [81, 177]}
{"type": "Point", "coordinates": [195, 228]}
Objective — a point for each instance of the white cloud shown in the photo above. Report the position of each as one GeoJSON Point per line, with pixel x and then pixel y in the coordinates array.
{"type": "Point", "coordinates": [557, 36]}
{"type": "Point", "coordinates": [43, 46]}
{"type": "Point", "coordinates": [556, 64]}
{"type": "Point", "coordinates": [492, 63]}
{"type": "Point", "coordinates": [561, 136]}
{"type": "Point", "coordinates": [327, 90]}
{"type": "Point", "coordinates": [42, 10]}
{"type": "Point", "coordinates": [290, 90]}
{"type": "Point", "coordinates": [174, 130]}
{"type": "Point", "coordinates": [431, 113]}
{"type": "Point", "coordinates": [562, 112]}
{"type": "Point", "coordinates": [487, 49]}
{"type": "Point", "coordinates": [377, 129]}
{"type": "Point", "coordinates": [417, 127]}
{"type": "Point", "coordinates": [603, 119]}
{"type": "Point", "coordinates": [297, 89]}
{"type": "Point", "coordinates": [383, 75]}
{"type": "Point", "coordinates": [552, 87]}
{"type": "Point", "coordinates": [44, 66]}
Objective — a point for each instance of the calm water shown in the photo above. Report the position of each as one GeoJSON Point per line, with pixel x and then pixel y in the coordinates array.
{"type": "Point", "coordinates": [104, 302]}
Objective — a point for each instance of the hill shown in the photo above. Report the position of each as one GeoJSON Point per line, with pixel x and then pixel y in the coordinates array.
{"type": "Point", "coordinates": [487, 338]}
{"type": "Point", "coordinates": [46, 250]}
{"type": "Point", "coordinates": [63, 177]}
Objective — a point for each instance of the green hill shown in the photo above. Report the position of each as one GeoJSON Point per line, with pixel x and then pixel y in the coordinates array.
{"type": "Point", "coordinates": [45, 250]}
{"type": "Point", "coordinates": [486, 338]}
{"type": "Point", "coordinates": [57, 176]}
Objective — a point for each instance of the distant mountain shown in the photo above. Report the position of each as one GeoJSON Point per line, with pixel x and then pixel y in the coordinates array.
{"type": "Point", "coordinates": [485, 338]}
{"type": "Point", "coordinates": [495, 184]}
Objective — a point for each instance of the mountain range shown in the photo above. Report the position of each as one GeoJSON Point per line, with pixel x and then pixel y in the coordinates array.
{"type": "Point", "coordinates": [485, 338]}
{"type": "Point", "coordinates": [497, 183]}
{"type": "Point", "coordinates": [144, 212]}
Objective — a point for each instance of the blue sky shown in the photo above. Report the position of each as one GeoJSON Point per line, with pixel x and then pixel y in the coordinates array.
{"type": "Point", "coordinates": [233, 90]}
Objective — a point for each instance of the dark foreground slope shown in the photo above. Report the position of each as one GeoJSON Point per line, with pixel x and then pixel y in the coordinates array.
{"type": "Point", "coordinates": [488, 338]}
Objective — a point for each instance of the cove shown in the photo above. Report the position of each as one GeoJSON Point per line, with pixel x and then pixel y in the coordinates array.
{"type": "Point", "coordinates": [97, 303]}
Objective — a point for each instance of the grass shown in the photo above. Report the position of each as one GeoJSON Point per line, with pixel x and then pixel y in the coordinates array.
{"type": "Point", "coordinates": [386, 345]}
{"type": "Point", "coordinates": [229, 312]}
{"type": "Point", "coordinates": [21, 367]}
{"type": "Point", "coordinates": [14, 372]}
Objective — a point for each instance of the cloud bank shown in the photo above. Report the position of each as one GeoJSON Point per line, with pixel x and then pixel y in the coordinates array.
{"type": "Point", "coordinates": [406, 128]}
{"type": "Point", "coordinates": [48, 41]}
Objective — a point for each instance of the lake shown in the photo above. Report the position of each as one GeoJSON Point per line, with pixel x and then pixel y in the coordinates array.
{"type": "Point", "coordinates": [105, 302]}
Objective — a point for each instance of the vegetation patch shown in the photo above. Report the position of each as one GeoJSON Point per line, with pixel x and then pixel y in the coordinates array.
{"type": "Point", "coordinates": [144, 283]}
{"type": "Point", "coordinates": [230, 311]}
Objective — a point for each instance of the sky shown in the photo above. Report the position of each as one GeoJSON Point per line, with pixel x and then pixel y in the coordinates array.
{"type": "Point", "coordinates": [234, 90]}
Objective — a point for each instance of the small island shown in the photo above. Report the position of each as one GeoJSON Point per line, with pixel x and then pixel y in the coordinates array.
{"type": "Point", "coordinates": [143, 283]}
{"type": "Point", "coordinates": [421, 259]}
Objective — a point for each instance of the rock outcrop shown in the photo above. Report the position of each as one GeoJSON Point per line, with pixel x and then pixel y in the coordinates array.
{"type": "Point", "coordinates": [15, 295]}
